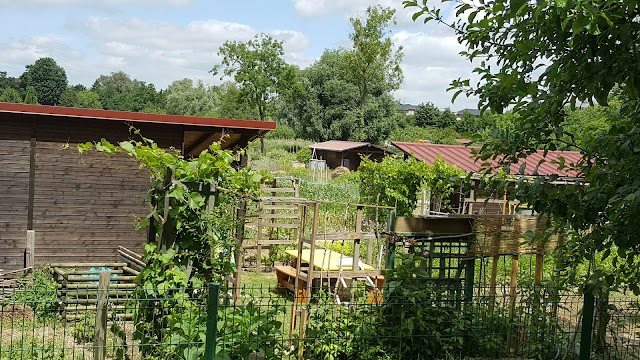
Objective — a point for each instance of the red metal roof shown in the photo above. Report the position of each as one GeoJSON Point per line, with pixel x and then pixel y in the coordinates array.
{"type": "Point", "coordinates": [462, 157]}
{"type": "Point", "coordinates": [59, 111]}
{"type": "Point", "coordinates": [339, 145]}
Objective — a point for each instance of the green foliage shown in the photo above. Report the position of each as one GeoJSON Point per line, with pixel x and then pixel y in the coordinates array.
{"type": "Point", "coordinates": [396, 181]}
{"type": "Point", "coordinates": [10, 95]}
{"type": "Point", "coordinates": [194, 244]}
{"type": "Point", "coordinates": [186, 98]}
{"type": "Point", "coordinates": [304, 155]}
{"type": "Point", "coordinates": [88, 99]}
{"type": "Point", "coordinates": [21, 349]}
{"type": "Point", "coordinates": [8, 81]}
{"type": "Point", "coordinates": [432, 135]}
{"type": "Point", "coordinates": [39, 293]}
{"type": "Point", "coordinates": [30, 96]}
{"type": "Point", "coordinates": [559, 55]}
{"type": "Point", "coordinates": [336, 332]}
{"type": "Point", "coordinates": [427, 114]}
{"type": "Point", "coordinates": [118, 91]}
{"type": "Point", "coordinates": [85, 329]}
{"type": "Point", "coordinates": [47, 78]}
{"type": "Point", "coordinates": [327, 107]}
{"type": "Point", "coordinates": [233, 104]}
{"type": "Point", "coordinates": [257, 68]}
{"type": "Point", "coordinates": [373, 65]}
{"type": "Point", "coordinates": [251, 327]}
{"type": "Point", "coordinates": [282, 131]}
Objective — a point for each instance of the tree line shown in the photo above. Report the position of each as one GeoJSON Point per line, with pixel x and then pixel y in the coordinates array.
{"type": "Point", "coordinates": [347, 94]}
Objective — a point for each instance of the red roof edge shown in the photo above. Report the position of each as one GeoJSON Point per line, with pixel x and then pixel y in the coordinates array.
{"type": "Point", "coordinates": [60, 111]}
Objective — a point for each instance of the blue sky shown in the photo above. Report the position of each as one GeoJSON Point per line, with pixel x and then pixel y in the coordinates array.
{"type": "Point", "coordinates": [160, 41]}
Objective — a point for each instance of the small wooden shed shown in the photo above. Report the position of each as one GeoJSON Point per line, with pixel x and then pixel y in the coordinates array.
{"type": "Point", "coordinates": [82, 207]}
{"type": "Point", "coordinates": [346, 153]}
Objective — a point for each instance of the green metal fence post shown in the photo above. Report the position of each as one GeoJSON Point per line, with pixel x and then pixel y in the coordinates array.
{"type": "Point", "coordinates": [212, 321]}
{"type": "Point", "coordinates": [587, 326]}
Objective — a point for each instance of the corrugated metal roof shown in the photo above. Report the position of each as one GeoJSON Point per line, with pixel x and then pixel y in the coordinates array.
{"type": "Point", "coordinates": [339, 145]}
{"type": "Point", "coordinates": [60, 111]}
{"type": "Point", "coordinates": [462, 157]}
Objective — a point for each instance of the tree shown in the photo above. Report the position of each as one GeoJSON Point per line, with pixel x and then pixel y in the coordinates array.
{"type": "Point", "coordinates": [47, 78]}
{"type": "Point", "coordinates": [427, 114]}
{"type": "Point", "coordinates": [10, 95]}
{"type": "Point", "coordinates": [118, 91]}
{"type": "Point", "coordinates": [186, 98]}
{"type": "Point", "coordinates": [88, 99]}
{"type": "Point", "coordinates": [233, 105]}
{"type": "Point", "coordinates": [373, 63]}
{"type": "Point", "coordinates": [30, 96]}
{"type": "Point", "coordinates": [541, 59]}
{"type": "Point", "coordinates": [258, 69]}
{"type": "Point", "coordinates": [327, 107]}
{"type": "Point", "coordinates": [8, 81]}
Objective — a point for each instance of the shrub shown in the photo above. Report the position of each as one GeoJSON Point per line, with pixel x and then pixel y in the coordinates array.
{"type": "Point", "coordinates": [85, 329]}
{"type": "Point", "coordinates": [252, 327]}
{"type": "Point", "coordinates": [303, 155]}
{"type": "Point", "coordinates": [40, 294]}
{"type": "Point", "coordinates": [282, 131]}
{"type": "Point", "coordinates": [336, 332]}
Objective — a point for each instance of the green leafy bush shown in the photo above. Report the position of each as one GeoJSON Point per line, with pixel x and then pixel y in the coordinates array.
{"type": "Point", "coordinates": [21, 349]}
{"type": "Point", "coordinates": [282, 131]}
{"type": "Point", "coordinates": [336, 332]}
{"type": "Point", "coordinates": [252, 327]}
{"type": "Point", "coordinates": [396, 182]}
{"type": "Point", "coordinates": [39, 293]}
{"type": "Point", "coordinates": [304, 155]}
{"type": "Point", "coordinates": [85, 328]}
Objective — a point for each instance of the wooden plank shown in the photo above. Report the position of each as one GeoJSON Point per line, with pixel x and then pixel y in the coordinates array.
{"type": "Point", "coordinates": [119, 278]}
{"type": "Point", "coordinates": [30, 249]}
{"type": "Point", "coordinates": [100, 339]}
{"type": "Point", "coordinates": [278, 190]}
{"type": "Point", "coordinates": [87, 264]}
{"type": "Point", "coordinates": [131, 258]}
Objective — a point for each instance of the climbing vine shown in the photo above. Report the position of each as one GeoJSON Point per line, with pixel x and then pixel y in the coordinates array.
{"type": "Point", "coordinates": [192, 223]}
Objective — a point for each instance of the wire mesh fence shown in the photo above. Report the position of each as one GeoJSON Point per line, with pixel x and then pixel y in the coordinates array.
{"type": "Point", "coordinates": [420, 321]}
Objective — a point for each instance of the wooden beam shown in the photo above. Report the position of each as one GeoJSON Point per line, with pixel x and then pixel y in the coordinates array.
{"type": "Point", "coordinates": [30, 250]}
{"type": "Point", "coordinates": [100, 341]}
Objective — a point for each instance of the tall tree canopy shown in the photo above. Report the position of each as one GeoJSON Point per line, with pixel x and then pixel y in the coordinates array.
{"type": "Point", "coordinates": [258, 68]}
{"type": "Point", "coordinates": [541, 59]}
{"type": "Point", "coordinates": [118, 91]}
{"type": "Point", "coordinates": [373, 63]}
{"type": "Point", "coordinates": [10, 95]}
{"type": "Point", "coordinates": [186, 98]}
{"type": "Point", "coordinates": [47, 78]}
{"type": "Point", "coordinates": [327, 107]}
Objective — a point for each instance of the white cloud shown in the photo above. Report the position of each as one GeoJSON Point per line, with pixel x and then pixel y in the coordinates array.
{"type": "Point", "coordinates": [351, 8]}
{"type": "Point", "coordinates": [161, 52]}
{"type": "Point", "coordinates": [430, 63]}
{"type": "Point", "coordinates": [93, 3]}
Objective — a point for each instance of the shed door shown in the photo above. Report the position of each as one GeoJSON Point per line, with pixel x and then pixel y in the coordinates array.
{"type": "Point", "coordinates": [15, 145]}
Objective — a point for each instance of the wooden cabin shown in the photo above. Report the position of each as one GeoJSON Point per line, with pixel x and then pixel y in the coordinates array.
{"type": "Point", "coordinates": [346, 153]}
{"type": "Point", "coordinates": [82, 207]}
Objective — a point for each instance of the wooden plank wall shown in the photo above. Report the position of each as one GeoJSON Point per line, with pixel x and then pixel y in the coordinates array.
{"type": "Point", "coordinates": [85, 206]}
{"type": "Point", "coordinates": [14, 193]}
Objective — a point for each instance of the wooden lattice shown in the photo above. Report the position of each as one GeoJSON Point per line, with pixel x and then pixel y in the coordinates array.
{"type": "Point", "coordinates": [505, 235]}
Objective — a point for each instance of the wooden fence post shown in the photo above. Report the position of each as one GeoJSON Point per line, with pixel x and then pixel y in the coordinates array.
{"type": "Point", "coordinates": [30, 249]}
{"type": "Point", "coordinates": [100, 349]}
